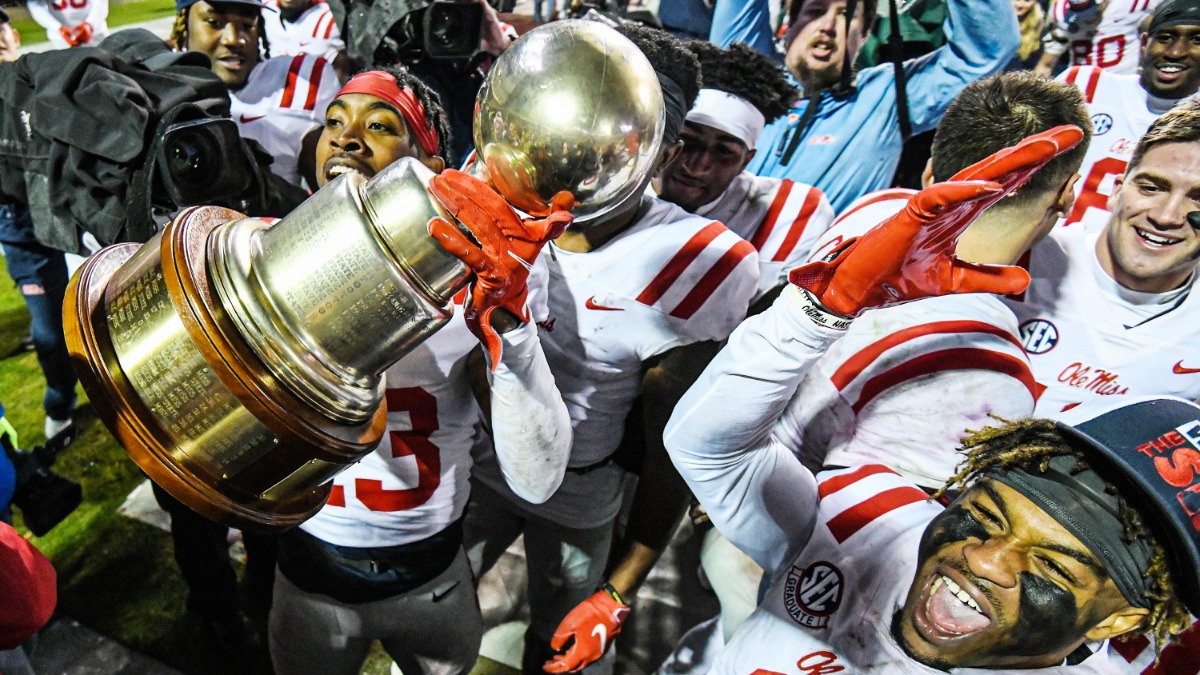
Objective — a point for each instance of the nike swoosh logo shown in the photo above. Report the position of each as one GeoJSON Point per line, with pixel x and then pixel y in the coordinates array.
{"type": "Point", "coordinates": [248, 119]}
{"type": "Point", "coordinates": [591, 304]}
{"type": "Point", "coordinates": [601, 631]}
{"type": "Point", "coordinates": [1179, 369]}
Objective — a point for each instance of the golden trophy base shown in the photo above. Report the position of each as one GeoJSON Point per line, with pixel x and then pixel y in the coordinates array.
{"type": "Point", "coordinates": [185, 394]}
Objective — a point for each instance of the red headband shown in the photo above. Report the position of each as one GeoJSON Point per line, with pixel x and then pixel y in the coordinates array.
{"type": "Point", "coordinates": [382, 85]}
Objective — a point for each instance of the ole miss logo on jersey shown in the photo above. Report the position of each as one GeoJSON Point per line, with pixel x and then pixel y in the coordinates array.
{"type": "Point", "coordinates": [813, 593]}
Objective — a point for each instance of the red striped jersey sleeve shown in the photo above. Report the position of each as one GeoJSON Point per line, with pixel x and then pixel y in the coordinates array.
{"type": "Point", "coordinates": [309, 86]}
{"type": "Point", "coordinates": [926, 349]}
{"type": "Point", "coordinates": [852, 499]}
{"type": "Point", "coordinates": [1086, 78]}
{"type": "Point", "coordinates": [714, 273]}
{"type": "Point", "coordinates": [798, 214]}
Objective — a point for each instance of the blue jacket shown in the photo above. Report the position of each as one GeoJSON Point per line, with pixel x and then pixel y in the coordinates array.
{"type": "Point", "coordinates": [852, 145]}
{"type": "Point", "coordinates": [8, 476]}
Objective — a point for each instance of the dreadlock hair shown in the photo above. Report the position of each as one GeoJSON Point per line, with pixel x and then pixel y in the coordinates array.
{"type": "Point", "coordinates": [745, 73]}
{"type": "Point", "coordinates": [428, 98]}
{"type": "Point", "coordinates": [668, 56]}
{"type": "Point", "coordinates": [1029, 445]}
{"type": "Point", "coordinates": [179, 33]}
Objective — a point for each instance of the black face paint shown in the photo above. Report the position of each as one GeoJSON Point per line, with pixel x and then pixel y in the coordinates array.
{"type": "Point", "coordinates": [1047, 619]}
{"type": "Point", "coordinates": [953, 524]}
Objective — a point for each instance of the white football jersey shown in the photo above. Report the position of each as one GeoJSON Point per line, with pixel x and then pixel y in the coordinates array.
{"type": "Point", "coordinates": [949, 362]}
{"type": "Point", "coordinates": [780, 218]}
{"type": "Point", "coordinates": [55, 14]}
{"type": "Point", "coordinates": [414, 484]}
{"type": "Point", "coordinates": [1072, 324]}
{"type": "Point", "coordinates": [282, 101]}
{"type": "Point", "coordinates": [1121, 111]}
{"type": "Point", "coordinates": [313, 32]}
{"type": "Point", "coordinates": [1110, 41]}
{"type": "Point", "coordinates": [670, 279]}
{"type": "Point", "coordinates": [830, 609]}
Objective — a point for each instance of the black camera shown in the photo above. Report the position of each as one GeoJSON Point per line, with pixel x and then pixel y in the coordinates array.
{"type": "Point", "coordinates": [200, 158]}
{"type": "Point", "coordinates": [444, 29]}
{"type": "Point", "coordinates": [44, 497]}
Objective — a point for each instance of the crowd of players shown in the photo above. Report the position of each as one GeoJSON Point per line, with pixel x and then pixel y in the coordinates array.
{"type": "Point", "coordinates": [813, 442]}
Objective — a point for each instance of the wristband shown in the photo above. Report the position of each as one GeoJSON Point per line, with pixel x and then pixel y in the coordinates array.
{"type": "Point", "coordinates": [612, 592]}
{"type": "Point", "coordinates": [817, 312]}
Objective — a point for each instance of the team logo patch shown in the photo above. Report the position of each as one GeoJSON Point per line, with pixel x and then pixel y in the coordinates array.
{"type": "Point", "coordinates": [1101, 123]}
{"type": "Point", "coordinates": [812, 594]}
{"type": "Point", "coordinates": [822, 139]}
{"type": "Point", "coordinates": [1038, 336]}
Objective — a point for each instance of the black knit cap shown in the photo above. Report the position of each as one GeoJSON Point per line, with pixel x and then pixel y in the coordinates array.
{"type": "Point", "coordinates": [1175, 13]}
{"type": "Point", "coordinates": [3, 16]}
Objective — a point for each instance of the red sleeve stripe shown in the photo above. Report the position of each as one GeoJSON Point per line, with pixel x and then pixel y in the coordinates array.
{"type": "Point", "coordinates": [768, 223]}
{"type": "Point", "coordinates": [314, 84]}
{"type": "Point", "coordinates": [674, 269]}
{"type": "Point", "coordinates": [329, 27]}
{"type": "Point", "coordinates": [832, 485]}
{"type": "Point", "coordinates": [875, 198]}
{"type": "Point", "coordinates": [811, 202]}
{"type": "Point", "coordinates": [1073, 74]}
{"type": "Point", "coordinates": [1093, 80]}
{"type": "Point", "coordinates": [337, 496]}
{"type": "Point", "coordinates": [317, 25]}
{"type": "Point", "coordinates": [289, 90]}
{"type": "Point", "coordinates": [845, 524]}
{"type": "Point", "coordinates": [704, 289]}
{"type": "Point", "coordinates": [948, 359]}
{"type": "Point", "coordinates": [855, 365]}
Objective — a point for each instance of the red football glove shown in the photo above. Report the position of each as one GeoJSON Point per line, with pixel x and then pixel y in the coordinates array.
{"type": "Point", "coordinates": [592, 625]}
{"type": "Point", "coordinates": [77, 35]}
{"type": "Point", "coordinates": [911, 255]}
{"type": "Point", "coordinates": [505, 251]}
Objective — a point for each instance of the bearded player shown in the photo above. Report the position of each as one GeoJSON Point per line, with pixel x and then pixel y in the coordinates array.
{"type": "Point", "coordinates": [383, 559]}
{"type": "Point", "coordinates": [1037, 566]}
{"type": "Point", "coordinates": [279, 102]}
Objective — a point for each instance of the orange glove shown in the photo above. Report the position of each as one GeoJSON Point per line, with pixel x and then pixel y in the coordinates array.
{"type": "Point", "coordinates": [77, 35]}
{"type": "Point", "coordinates": [911, 255]}
{"type": "Point", "coordinates": [591, 626]}
{"type": "Point", "coordinates": [506, 248]}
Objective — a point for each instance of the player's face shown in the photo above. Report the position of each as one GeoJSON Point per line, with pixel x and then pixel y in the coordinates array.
{"type": "Point", "coordinates": [1001, 584]}
{"type": "Point", "coordinates": [708, 163]}
{"type": "Point", "coordinates": [228, 34]}
{"type": "Point", "coordinates": [815, 55]}
{"type": "Point", "coordinates": [1171, 61]}
{"type": "Point", "coordinates": [10, 42]}
{"type": "Point", "coordinates": [362, 134]}
{"type": "Point", "coordinates": [1149, 245]}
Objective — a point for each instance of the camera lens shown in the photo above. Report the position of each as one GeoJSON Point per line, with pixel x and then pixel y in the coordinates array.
{"type": "Point", "coordinates": [445, 30]}
{"type": "Point", "coordinates": [187, 158]}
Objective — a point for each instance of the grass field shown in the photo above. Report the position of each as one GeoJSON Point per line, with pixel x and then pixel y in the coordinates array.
{"type": "Point", "coordinates": [119, 14]}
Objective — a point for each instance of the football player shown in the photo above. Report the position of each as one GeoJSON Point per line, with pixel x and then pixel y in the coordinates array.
{"type": "Point", "coordinates": [383, 559]}
{"type": "Point", "coordinates": [71, 23]}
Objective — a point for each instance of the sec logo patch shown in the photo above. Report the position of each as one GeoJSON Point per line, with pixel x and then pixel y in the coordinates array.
{"type": "Point", "coordinates": [1038, 336]}
{"type": "Point", "coordinates": [811, 594]}
{"type": "Point", "coordinates": [1101, 123]}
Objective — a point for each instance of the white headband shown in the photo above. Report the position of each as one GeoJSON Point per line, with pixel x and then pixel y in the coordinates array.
{"type": "Point", "coordinates": [732, 114]}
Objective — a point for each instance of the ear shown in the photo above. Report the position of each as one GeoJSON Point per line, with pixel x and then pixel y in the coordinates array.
{"type": "Point", "coordinates": [1120, 622]}
{"type": "Point", "coordinates": [435, 163]}
{"type": "Point", "coordinates": [749, 156]}
{"type": "Point", "coordinates": [1111, 203]}
{"type": "Point", "coordinates": [669, 154]}
{"type": "Point", "coordinates": [1066, 195]}
{"type": "Point", "coordinates": [927, 174]}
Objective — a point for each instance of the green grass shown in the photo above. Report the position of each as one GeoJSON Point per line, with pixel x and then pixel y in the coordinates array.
{"type": "Point", "coordinates": [115, 575]}
{"type": "Point", "coordinates": [119, 14]}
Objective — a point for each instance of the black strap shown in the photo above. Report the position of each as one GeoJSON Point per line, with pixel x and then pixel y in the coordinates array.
{"type": "Point", "coordinates": [896, 47]}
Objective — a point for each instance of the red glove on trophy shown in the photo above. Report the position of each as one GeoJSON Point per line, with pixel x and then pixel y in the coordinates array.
{"type": "Point", "coordinates": [592, 625]}
{"type": "Point", "coordinates": [911, 255]}
{"type": "Point", "coordinates": [506, 248]}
